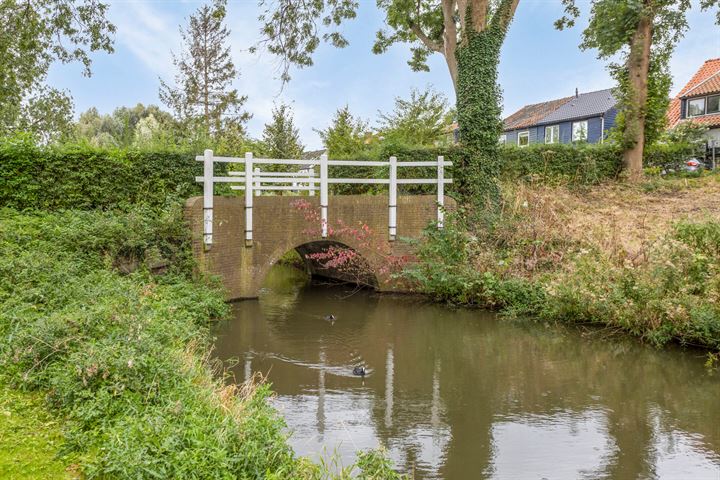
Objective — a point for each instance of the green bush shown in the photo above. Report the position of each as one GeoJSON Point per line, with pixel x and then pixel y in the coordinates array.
{"type": "Point", "coordinates": [673, 295]}
{"type": "Point", "coordinates": [561, 163]}
{"type": "Point", "coordinates": [665, 156]}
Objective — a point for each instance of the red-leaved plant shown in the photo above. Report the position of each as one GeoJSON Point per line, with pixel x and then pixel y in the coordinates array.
{"type": "Point", "coordinates": [348, 261]}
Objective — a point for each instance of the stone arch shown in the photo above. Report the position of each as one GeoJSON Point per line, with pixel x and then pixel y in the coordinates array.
{"type": "Point", "coordinates": [361, 270]}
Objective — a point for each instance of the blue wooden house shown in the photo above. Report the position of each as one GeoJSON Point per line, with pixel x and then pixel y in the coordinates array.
{"type": "Point", "coordinates": [584, 117]}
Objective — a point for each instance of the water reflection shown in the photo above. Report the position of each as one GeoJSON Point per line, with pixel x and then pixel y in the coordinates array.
{"type": "Point", "coordinates": [457, 394]}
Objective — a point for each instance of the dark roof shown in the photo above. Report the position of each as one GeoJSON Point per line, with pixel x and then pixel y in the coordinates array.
{"type": "Point", "coordinates": [584, 105]}
{"type": "Point", "coordinates": [313, 154]}
{"type": "Point", "coordinates": [569, 108]}
{"type": "Point", "coordinates": [532, 114]}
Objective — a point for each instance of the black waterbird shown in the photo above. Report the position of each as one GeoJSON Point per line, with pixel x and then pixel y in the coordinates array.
{"type": "Point", "coordinates": [360, 371]}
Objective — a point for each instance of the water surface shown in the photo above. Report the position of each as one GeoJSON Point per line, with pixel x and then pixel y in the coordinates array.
{"type": "Point", "coordinates": [459, 394]}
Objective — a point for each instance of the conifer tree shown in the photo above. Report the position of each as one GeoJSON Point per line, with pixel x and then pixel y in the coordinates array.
{"type": "Point", "coordinates": [281, 137]}
{"type": "Point", "coordinates": [345, 136]}
{"type": "Point", "coordinates": [203, 95]}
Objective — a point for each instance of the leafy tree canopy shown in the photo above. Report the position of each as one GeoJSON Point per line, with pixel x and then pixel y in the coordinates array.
{"type": "Point", "coordinates": [293, 29]}
{"type": "Point", "coordinates": [33, 35]}
{"type": "Point", "coordinates": [126, 126]}
{"type": "Point", "coordinates": [420, 120]}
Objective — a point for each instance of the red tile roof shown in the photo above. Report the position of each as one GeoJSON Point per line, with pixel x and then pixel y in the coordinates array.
{"type": "Point", "coordinates": [705, 81]}
{"type": "Point", "coordinates": [532, 114]}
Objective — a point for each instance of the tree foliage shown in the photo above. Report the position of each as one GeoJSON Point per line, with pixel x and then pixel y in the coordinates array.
{"type": "Point", "coordinates": [420, 120]}
{"type": "Point", "coordinates": [643, 34]}
{"type": "Point", "coordinates": [467, 33]}
{"type": "Point", "coordinates": [280, 137]}
{"type": "Point", "coordinates": [293, 29]}
{"type": "Point", "coordinates": [203, 95]}
{"type": "Point", "coordinates": [126, 126]}
{"type": "Point", "coordinates": [33, 35]}
{"type": "Point", "coordinates": [346, 134]}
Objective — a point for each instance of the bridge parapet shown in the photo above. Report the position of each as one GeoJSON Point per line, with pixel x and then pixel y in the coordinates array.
{"type": "Point", "coordinates": [253, 181]}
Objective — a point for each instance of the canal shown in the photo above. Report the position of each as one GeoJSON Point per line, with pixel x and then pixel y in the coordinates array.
{"type": "Point", "coordinates": [459, 394]}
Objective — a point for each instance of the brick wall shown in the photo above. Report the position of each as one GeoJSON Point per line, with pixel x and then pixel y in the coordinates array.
{"type": "Point", "coordinates": [279, 227]}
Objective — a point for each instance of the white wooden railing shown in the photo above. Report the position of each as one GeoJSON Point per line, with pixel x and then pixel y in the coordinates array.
{"type": "Point", "coordinates": [254, 181]}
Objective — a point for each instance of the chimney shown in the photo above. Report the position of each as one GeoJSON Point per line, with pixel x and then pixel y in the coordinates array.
{"type": "Point", "coordinates": [576, 93]}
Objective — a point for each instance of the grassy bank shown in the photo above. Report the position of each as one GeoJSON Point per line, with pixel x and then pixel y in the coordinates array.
{"type": "Point", "coordinates": [121, 354]}
{"type": "Point", "coordinates": [644, 259]}
{"type": "Point", "coordinates": [31, 438]}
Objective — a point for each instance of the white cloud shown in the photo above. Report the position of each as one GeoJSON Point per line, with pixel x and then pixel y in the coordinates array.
{"type": "Point", "coordinates": [149, 33]}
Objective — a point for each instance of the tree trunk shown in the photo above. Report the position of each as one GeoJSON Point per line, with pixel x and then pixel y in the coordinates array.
{"type": "Point", "coordinates": [450, 40]}
{"type": "Point", "coordinates": [478, 101]}
{"type": "Point", "coordinates": [638, 66]}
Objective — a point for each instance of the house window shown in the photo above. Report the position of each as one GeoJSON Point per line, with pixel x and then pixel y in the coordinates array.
{"type": "Point", "coordinates": [579, 131]}
{"type": "Point", "coordinates": [696, 107]}
{"type": "Point", "coordinates": [713, 104]}
{"type": "Point", "coordinates": [552, 134]}
{"type": "Point", "coordinates": [503, 139]}
{"type": "Point", "coordinates": [523, 139]}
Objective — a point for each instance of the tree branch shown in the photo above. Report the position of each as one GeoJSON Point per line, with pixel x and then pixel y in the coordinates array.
{"type": "Point", "coordinates": [435, 47]}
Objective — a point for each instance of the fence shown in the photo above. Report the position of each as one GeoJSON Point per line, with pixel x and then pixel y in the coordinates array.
{"type": "Point", "coordinates": [254, 181]}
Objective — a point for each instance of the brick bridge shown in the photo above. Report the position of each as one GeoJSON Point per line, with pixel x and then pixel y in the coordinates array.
{"type": "Point", "coordinates": [239, 238]}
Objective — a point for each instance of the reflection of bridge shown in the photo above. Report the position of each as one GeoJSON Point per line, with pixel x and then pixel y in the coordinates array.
{"type": "Point", "coordinates": [240, 238]}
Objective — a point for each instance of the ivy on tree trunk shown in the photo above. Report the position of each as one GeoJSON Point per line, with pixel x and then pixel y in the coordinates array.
{"type": "Point", "coordinates": [478, 106]}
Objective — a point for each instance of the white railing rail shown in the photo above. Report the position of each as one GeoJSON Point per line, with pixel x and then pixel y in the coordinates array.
{"type": "Point", "coordinates": [253, 180]}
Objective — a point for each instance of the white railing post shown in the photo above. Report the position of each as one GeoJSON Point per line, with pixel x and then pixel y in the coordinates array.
{"type": "Point", "coordinates": [208, 172]}
{"type": "Point", "coordinates": [392, 203]}
{"type": "Point", "coordinates": [248, 199]}
{"type": "Point", "coordinates": [440, 191]}
{"type": "Point", "coordinates": [324, 194]}
{"type": "Point", "coordinates": [312, 184]}
{"type": "Point", "coordinates": [257, 181]}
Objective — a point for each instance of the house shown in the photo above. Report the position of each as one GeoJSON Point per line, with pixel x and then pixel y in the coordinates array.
{"type": "Point", "coordinates": [699, 101]}
{"type": "Point", "coordinates": [583, 117]}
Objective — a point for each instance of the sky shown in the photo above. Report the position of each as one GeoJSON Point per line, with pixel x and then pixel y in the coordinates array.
{"type": "Point", "coordinates": [537, 63]}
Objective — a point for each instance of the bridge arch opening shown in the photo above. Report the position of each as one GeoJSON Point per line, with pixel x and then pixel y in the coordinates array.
{"type": "Point", "coordinates": [334, 261]}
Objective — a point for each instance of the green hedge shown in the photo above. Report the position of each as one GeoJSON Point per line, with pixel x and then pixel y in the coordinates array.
{"type": "Point", "coordinates": [572, 164]}
{"type": "Point", "coordinates": [672, 155]}
{"type": "Point", "coordinates": [82, 177]}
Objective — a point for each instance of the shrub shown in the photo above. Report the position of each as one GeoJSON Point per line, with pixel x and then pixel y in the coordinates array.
{"type": "Point", "coordinates": [84, 177]}
{"type": "Point", "coordinates": [666, 156]}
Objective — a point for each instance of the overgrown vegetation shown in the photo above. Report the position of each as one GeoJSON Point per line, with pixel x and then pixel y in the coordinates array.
{"type": "Point", "coordinates": [565, 256]}
{"type": "Point", "coordinates": [123, 357]}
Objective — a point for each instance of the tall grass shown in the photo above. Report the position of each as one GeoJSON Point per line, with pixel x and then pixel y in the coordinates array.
{"type": "Point", "coordinates": [529, 262]}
